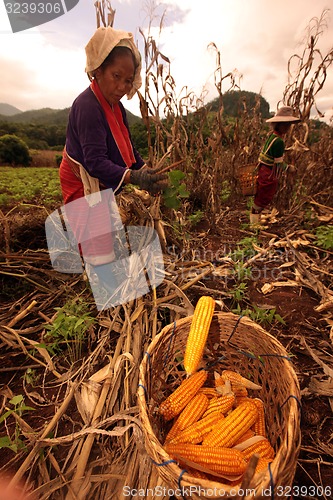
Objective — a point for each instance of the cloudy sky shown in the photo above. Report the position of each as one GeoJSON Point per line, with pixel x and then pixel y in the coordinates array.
{"type": "Point", "coordinates": [44, 66]}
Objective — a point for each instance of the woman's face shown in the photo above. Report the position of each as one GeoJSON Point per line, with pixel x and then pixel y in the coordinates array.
{"type": "Point", "coordinates": [283, 127]}
{"type": "Point", "coordinates": [116, 79]}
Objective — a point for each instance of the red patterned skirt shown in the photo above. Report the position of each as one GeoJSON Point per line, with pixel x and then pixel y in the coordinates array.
{"type": "Point", "coordinates": [267, 184]}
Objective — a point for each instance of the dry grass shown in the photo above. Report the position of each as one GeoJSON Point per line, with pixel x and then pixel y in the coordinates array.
{"type": "Point", "coordinates": [44, 158]}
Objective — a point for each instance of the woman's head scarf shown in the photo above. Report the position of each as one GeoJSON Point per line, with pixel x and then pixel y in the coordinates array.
{"type": "Point", "coordinates": [103, 41]}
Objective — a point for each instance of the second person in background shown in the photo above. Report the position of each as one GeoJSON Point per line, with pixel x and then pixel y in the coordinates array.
{"type": "Point", "coordinates": [271, 161]}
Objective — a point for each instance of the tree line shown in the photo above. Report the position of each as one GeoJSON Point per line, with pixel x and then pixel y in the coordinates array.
{"type": "Point", "coordinates": [18, 138]}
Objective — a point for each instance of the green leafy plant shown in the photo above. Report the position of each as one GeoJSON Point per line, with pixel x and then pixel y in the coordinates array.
{"type": "Point", "coordinates": [238, 292]}
{"type": "Point", "coordinates": [225, 191]}
{"type": "Point", "coordinates": [30, 185]}
{"type": "Point", "coordinates": [14, 151]}
{"type": "Point", "coordinates": [324, 235]}
{"type": "Point", "coordinates": [31, 377]}
{"type": "Point", "coordinates": [244, 249]}
{"type": "Point", "coordinates": [196, 217]}
{"type": "Point", "coordinates": [260, 315]}
{"type": "Point", "coordinates": [14, 441]}
{"type": "Point", "coordinates": [58, 159]}
{"type": "Point", "coordinates": [241, 272]}
{"type": "Point", "coordinates": [173, 194]}
{"type": "Point", "coordinates": [68, 330]}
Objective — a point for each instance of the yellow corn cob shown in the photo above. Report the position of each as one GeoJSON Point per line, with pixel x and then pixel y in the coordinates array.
{"type": "Point", "coordinates": [259, 425]}
{"type": "Point", "coordinates": [196, 473]}
{"type": "Point", "coordinates": [214, 411]}
{"type": "Point", "coordinates": [262, 464]}
{"type": "Point", "coordinates": [241, 399]}
{"type": "Point", "coordinates": [219, 382]}
{"type": "Point", "coordinates": [197, 337]}
{"type": "Point", "coordinates": [191, 413]}
{"type": "Point", "coordinates": [221, 403]}
{"type": "Point", "coordinates": [222, 387]}
{"type": "Point", "coordinates": [239, 391]}
{"type": "Point", "coordinates": [210, 392]}
{"type": "Point", "coordinates": [236, 378]}
{"type": "Point", "coordinates": [225, 461]}
{"type": "Point", "coordinates": [263, 448]}
{"type": "Point", "coordinates": [229, 430]}
{"type": "Point", "coordinates": [195, 433]}
{"type": "Point", "coordinates": [247, 435]}
{"type": "Point", "coordinates": [176, 402]}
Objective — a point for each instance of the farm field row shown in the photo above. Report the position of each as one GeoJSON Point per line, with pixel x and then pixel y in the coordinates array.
{"type": "Point", "coordinates": [29, 185]}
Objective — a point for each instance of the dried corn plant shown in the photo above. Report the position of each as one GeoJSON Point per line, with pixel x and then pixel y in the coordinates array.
{"type": "Point", "coordinates": [314, 171]}
{"type": "Point", "coordinates": [309, 145]}
{"type": "Point", "coordinates": [311, 153]}
{"type": "Point", "coordinates": [185, 129]}
{"type": "Point", "coordinates": [105, 14]}
{"type": "Point", "coordinates": [214, 164]}
{"type": "Point", "coordinates": [307, 71]}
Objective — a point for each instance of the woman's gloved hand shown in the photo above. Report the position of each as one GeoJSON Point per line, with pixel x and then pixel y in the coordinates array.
{"type": "Point", "coordinates": [149, 179]}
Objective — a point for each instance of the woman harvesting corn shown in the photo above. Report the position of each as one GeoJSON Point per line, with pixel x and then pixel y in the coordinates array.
{"type": "Point", "coordinates": [99, 152]}
{"type": "Point", "coordinates": [271, 164]}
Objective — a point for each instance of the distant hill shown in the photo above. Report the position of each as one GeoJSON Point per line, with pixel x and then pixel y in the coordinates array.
{"type": "Point", "coordinates": [47, 116]}
{"type": "Point", "coordinates": [132, 119]}
{"type": "Point", "coordinates": [44, 116]}
{"type": "Point", "coordinates": [234, 101]}
{"type": "Point", "coordinates": [46, 128]}
{"type": "Point", "coordinates": [8, 109]}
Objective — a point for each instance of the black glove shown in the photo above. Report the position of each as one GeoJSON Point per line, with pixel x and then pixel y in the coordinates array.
{"type": "Point", "coordinates": [149, 180]}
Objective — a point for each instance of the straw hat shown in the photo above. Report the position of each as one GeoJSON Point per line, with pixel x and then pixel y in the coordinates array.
{"type": "Point", "coordinates": [103, 41]}
{"type": "Point", "coordinates": [285, 114]}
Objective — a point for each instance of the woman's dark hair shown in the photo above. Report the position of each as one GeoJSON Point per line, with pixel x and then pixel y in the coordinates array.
{"type": "Point", "coordinates": [119, 50]}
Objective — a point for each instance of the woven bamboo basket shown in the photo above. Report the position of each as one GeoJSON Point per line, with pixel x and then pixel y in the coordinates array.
{"type": "Point", "coordinates": [234, 343]}
{"type": "Point", "coordinates": [247, 177]}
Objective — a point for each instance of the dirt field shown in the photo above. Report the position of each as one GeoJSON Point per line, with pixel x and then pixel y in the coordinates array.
{"type": "Point", "coordinates": [26, 275]}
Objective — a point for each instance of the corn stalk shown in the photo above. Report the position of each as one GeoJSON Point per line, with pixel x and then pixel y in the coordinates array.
{"type": "Point", "coordinates": [105, 14]}
{"type": "Point", "coordinates": [307, 72]}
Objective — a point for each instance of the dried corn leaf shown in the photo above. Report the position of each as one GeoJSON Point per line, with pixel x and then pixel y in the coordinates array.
{"type": "Point", "coordinates": [245, 444]}
{"type": "Point", "coordinates": [287, 264]}
{"type": "Point", "coordinates": [325, 305]}
{"type": "Point", "coordinates": [321, 387]}
{"type": "Point", "coordinates": [269, 287]}
{"type": "Point", "coordinates": [325, 218]}
{"type": "Point", "coordinates": [116, 432]}
{"type": "Point", "coordinates": [327, 370]}
{"type": "Point", "coordinates": [101, 374]}
{"type": "Point", "coordinates": [86, 399]}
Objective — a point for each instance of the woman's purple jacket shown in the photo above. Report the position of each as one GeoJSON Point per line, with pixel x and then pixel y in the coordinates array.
{"type": "Point", "coordinates": [90, 142]}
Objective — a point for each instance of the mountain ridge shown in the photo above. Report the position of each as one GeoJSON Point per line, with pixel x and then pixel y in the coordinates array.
{"type": "Point", "coordinates": [8, 109]}
{"type": "Point", "coordinates": [47, 116]}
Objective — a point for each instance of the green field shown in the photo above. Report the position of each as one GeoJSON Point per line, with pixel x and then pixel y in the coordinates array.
{"type": "Point", "coordinates": [31, 185]}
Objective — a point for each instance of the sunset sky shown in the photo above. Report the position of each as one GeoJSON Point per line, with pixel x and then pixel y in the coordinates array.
{"type": "Point", "coordinates": [44, 66]}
